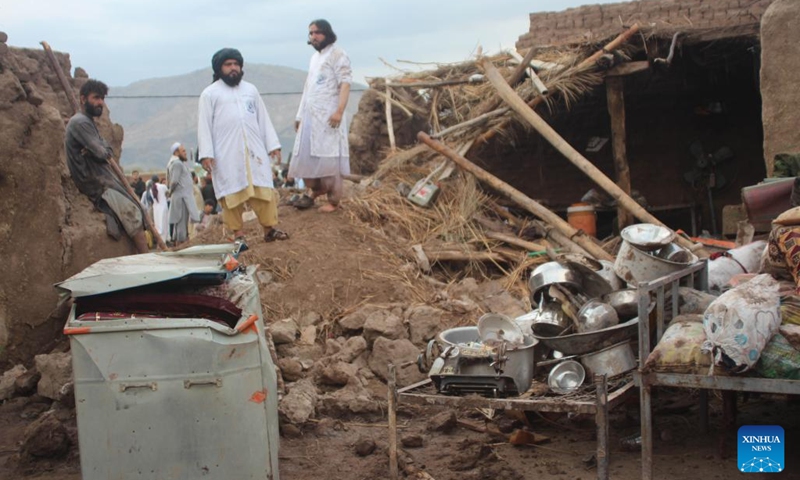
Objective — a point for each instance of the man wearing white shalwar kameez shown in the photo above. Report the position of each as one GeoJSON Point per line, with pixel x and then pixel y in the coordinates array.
{"type": "Point", "coordinates": [182, 206]}
{"type": "Point", "coordinates": [236, 140]}
{"type": "Point", "coordinates": [321, 154]}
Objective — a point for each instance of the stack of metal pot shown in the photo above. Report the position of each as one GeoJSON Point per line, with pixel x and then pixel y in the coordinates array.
{"type": "Point", "coordinates": [583, 318]}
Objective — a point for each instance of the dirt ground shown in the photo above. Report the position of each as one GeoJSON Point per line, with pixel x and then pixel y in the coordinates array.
{"type": "Point", "coordinates": [331, 265]}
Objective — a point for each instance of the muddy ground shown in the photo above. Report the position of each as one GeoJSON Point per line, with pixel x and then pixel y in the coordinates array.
{"type": "Point", "coordinates": [331, 265]}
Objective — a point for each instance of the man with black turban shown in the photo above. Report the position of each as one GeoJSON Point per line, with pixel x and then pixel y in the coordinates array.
{"type": "Point", "coordinates": [236, 140]}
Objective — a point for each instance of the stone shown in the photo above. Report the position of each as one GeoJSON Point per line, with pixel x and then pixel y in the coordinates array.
{"type": "Point", "coordinates": [300, 403]}
{"type": "Point", "coordinates": [444, 422]}
{"type": "Point", "coordinates": [308, 335]}
{"type": "Point", "coordinates": [352, 348]}
{"type": "Point", "coordinates": [56, 371]}
{"type": "Point", "coordinates": [34, 97]}
{"type": "Point", "coordinates": [353, 399]}
{"type": "Point", "coordinates": [46, 437]}
{"type": "Point", "coordinates": [424, 323]}
{"type": "Point", "coordinates": [9, 380]}
{"type": "Point", "coordinates": [364, 447]}
{"type": "Point", "coordinates": [461, 307]}
{"type": "Point", "coordinates": [291, 431]}
{"type": "Point", "coordinates": [402, 353]}
{"type": "Point", "coordinates": [505, 304]}
{"type": "Point", "coordinates": [10, 89]}
{"type": "Point", "coordinates": [3, 37]}
{"type": "Point", "coordinates": [413, 440]}
{"type": "Point", "coordinates": [264, 277]}
{"type": "Point", "coordinates": [465, 289]}
{"type": "Point", "coordinates": [384, 324]}
{"type": "Point", "coordinates": [27, 382]}
{"type": "Point", "coordinates": [355, 321]}
{"type": "Point", "coordinates": [338, 373]}
{"type": "Point", "coordinates": [291, 369]}
{"type": "Point", "coordinates": [283, 331]}
{"type": "Point", "coordinates": [332, 347]}
{"type": "Point", "coordinates": [489, 289]}
{"type": "Point", "coordinates": [309, 318]}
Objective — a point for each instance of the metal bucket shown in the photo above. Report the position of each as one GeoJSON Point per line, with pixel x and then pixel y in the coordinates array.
{"type": "Point", "coordinates": [612, 361]}
{"type": "Point", "coordinates": [521, 361]}
{"type": "Point", "coordinates": [637, 266]}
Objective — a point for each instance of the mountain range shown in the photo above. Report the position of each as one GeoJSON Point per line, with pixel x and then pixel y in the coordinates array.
{"type": "Point", "coordinates": [157, 112]}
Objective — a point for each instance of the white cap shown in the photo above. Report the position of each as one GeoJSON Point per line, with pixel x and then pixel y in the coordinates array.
{"type": "Point", "coordinates": [174, 147]}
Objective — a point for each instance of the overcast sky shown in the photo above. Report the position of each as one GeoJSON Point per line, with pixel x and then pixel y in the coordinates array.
{"type": "Point", "coordinates": [122, 41]}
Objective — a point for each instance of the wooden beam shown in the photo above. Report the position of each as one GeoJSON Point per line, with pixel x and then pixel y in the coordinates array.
{"type": "Point", "coordinates": [389, 121]}
{"type": "Point", "coordinates": [586, 243]}
{"type": "Point", "coordinates": [628, 68]}
{"type": "Point", "coordinates": [518, 242]}
{"type": "Point", "coordinates": [518, 105]}
{"type": "Point", "coordinates": [615, 97]}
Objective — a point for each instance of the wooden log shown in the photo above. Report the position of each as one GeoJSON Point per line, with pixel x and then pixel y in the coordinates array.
{"type": "Point", "coordinates": [442, 83]}
{"type": "Point", "coordinates": [112, 162]}
{"type": "Point", "coordinates": [537, 82]}
{"type": "Point", "coordinates": [389, 122]}
{"type": "Point", "coordinates": [615, 97]}
{"type": "Point", "coordinates": [474, 121]}
{"type": "Point", "coordinates": [584, 241]}
{"type": "Point", "coordinates": [612, 45]}
{"type": "Point", "coordinates": [459, 256]}
{"type": "Point", "coordinates": [392, 407]}
{"type": "Point", "coordinates": [519, 106]}
{"type": "Point", "coordinates": [628, 68]}
{"type": "Point", "coordinates": [523, 66]}
{"type": "Point", "coordinates": [518, 242]}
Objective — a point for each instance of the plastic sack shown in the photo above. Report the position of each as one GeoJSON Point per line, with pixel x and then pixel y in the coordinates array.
{"type": "Point", "coordinates": [740, 322]}
{"type": "Point", "coordinates": [679, 350]}
{"type": "Point", "coordinates": [779, 360]}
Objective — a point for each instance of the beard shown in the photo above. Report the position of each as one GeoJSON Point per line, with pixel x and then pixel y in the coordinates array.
{"type": "Point", "coordinates": [91, 110]}
{"type": "Point", "coordinates": [232, 79]}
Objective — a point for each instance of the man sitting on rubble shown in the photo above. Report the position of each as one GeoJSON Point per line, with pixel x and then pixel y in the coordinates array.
{"type": "Point", "coordinates": [87, 158]}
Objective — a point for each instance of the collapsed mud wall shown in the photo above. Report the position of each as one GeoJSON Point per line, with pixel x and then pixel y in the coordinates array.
{"type": "Point", "coordinates": [780, 61]}
{"type": "Point", "coordinates": [48, 230]}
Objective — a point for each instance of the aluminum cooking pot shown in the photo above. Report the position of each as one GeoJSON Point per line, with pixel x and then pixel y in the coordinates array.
{"type": "Point", "coordinates": [625, 302]}
{"type": "Point", "coordinates": [550, 320]}
{"type": "Point", "coordinates": [552, 273]}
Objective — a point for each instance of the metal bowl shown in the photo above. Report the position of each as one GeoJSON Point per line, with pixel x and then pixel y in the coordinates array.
{"type": "Point", "coordinates": [611, 361]}
{"type": "Point", "coordinates": [496, 328]}
{"type": "Point", "coordinates": [552, 273]}
{"type": "Point", "coordinates": [596, 315]}
{"type": "Point", "coordinates": [583, 343]}
{"type": "Point", "coordinates": [566, 377]}
{"type": "Point", "coordinates": [675, 253]}
{"type": "Point", "coordinates": [647, 236]}
{"type": "Point", "coordinates": [625, 302]}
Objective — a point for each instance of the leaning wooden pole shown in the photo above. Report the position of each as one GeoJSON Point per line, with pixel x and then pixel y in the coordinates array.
{"type": "Point", "coordinates": [113, 163]}
{"type": "Point", "coordinates": [584, 241]}
{"type": "Point", "coordinates": [518, 105]}
{"type": "Point", "coordinates": [615, 99]}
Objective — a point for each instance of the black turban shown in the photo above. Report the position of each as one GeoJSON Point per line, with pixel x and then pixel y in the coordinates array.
{"type": "Point", "coordinates": [225, 54]}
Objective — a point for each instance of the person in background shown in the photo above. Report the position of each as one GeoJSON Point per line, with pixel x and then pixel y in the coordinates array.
{"type": "Point", "coordinates": [321, 154]}
{"type": "Point", "coordinates": [182, 207]}
{"type": "Point", "coordinates": [137, 184]}
{"type": "Point", "coordinates": [208, 192]}
{"type": "Point", "coordinates": [88, 157]}
{"type": "Point", "coordinates": [236, 141]}
{"type": "Point", "coordinates": [158, 194]}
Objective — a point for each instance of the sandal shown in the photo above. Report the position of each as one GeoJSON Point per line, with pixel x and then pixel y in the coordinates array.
{"type": "Point", "coordinates": [303, 202]}
{"type": "Point", "coordinates": [275, 234]}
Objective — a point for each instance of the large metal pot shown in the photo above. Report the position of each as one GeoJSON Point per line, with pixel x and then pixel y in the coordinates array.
{"type": "Point", "coordinates": [647, 237]}
{"type": "Point", "coordinates": [519, 365]}
{"type": "Point", "coordinates": [550, 320]}
{"type": "Point", "coordinates": [611, 361]}
{"type": "Point", "coordinates": [638, 266]}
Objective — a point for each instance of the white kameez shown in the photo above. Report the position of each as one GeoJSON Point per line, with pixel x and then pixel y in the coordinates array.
{"type": "Point", "coordinates": [320, 150]}
{"type": "Point", "coordinates": [231, 118]}
{"type": "Point", "coordinates": [160, 211]}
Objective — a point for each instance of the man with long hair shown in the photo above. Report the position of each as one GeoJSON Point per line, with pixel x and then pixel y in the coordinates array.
{"type": "Point", "coordinates": [236, 141]}
{"type": "Point", "coordinates": [87, 158]}
{"type": "Point", "coordinates": [321, 153]}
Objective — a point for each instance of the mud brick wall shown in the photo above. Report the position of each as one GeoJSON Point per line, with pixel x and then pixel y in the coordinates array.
{"type": "Point", "coordinates": [597, 22]}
